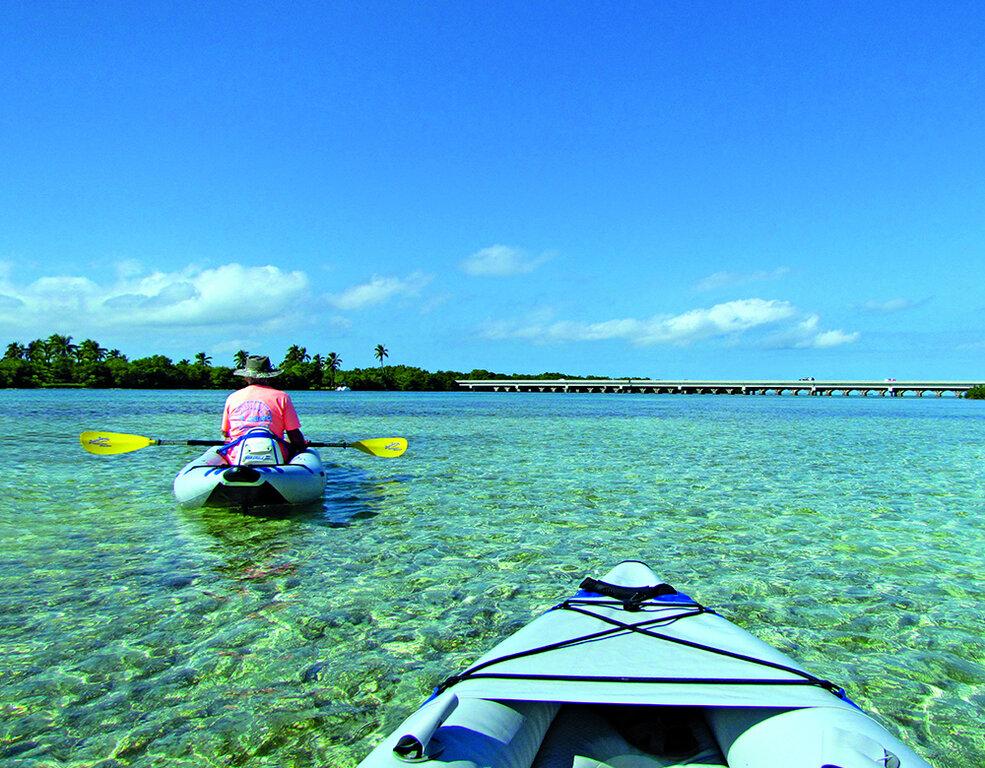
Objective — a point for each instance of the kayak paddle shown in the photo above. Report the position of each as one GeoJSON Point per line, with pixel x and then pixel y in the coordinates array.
{"type": "Point", "coordinates": [109, 443]}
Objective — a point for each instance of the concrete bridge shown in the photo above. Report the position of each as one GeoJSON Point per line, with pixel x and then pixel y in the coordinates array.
{"type": "Point", "coordinates": [883, 388]}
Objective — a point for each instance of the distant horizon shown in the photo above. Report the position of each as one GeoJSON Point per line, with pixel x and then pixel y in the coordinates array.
{"type": "Point", "coordinates": [678, 189]}
{"type": "Point", "coordinates": [533, 374]}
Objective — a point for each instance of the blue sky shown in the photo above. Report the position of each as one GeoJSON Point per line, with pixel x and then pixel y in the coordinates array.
{"type": "Point", "coordinates": [647, 189]}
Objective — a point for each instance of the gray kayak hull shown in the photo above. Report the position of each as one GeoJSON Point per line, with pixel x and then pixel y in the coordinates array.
{"type": "Point", "coordinates": [209, 482]}
{"type": "Point", "coordinates": [576, 688]}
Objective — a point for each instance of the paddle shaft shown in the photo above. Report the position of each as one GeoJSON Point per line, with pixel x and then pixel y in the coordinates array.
{"type": "Point", "coordinates": [222, 442]}
{"type": "Point", "coordinates": [110, 443]}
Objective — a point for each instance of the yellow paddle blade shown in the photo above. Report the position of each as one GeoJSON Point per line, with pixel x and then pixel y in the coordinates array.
{"type": "Point", "coordinates": [387, 447]}
{"type": "Point", "coordinates": [108, 443]}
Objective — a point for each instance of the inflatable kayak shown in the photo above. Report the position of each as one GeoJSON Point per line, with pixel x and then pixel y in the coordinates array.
{"type": "Point", "coordinates": [631, 673]}
{"type": "Point", "coordinates": [253, 475]}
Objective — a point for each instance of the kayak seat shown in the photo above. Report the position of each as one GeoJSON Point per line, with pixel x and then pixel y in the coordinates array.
{"type": "Point", "coordinates": [617, 736]}
{"type": "Point", "coordinates": [808, 737]}
{"type": "Point", "coordinates": [481, 733]}
{"type": "Point", "coordinates": [256, 447]}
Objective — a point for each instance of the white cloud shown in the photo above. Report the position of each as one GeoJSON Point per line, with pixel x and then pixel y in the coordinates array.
{"type": "Point", "coordinates": [827, 339]}
{"type": "Point", "coordinates": [231, 294]}
{"type": "Point", "coordinates": [807, 335]}
{"type": "Point", "coordinates": [129, 268]}
{"type": "Point", "coordinates": [434, 303]}
{"type": "Point", "coordinates": [891, 305]}
{"type": "Point", "coordinates": [729, 318]}
{"type": "Point", "coordinates": [501, 261]}
{"type": "Point", "coordinates": [61, 294]}
{"type": "Point", "coordinates": [378, 290]}
{"type": "Point", "coordinates": [732, 279]}
{"type": "Point", "coordinates": [168, 295]}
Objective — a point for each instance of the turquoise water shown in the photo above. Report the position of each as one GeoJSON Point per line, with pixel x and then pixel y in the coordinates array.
{"type": "Point", "coordinates": [848, 532]}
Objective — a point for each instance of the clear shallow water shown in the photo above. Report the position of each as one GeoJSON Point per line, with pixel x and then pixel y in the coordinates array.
{"type": "Point", "coordinates": [847, 532]}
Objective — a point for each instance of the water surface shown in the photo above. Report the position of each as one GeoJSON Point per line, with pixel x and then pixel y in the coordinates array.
{"type": "Point", "coordinates": [848, 532]}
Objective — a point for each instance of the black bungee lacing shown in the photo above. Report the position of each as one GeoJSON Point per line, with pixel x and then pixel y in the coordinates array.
{"type": "Point", "coordinates": [629, 599]}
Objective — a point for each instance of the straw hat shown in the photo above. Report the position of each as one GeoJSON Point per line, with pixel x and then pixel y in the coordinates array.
{"type": "Point", "coordinates": [257, 367]}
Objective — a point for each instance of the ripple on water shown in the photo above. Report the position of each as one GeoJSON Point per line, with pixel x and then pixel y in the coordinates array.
{"type": "Point", "coordinates": [845, 532]}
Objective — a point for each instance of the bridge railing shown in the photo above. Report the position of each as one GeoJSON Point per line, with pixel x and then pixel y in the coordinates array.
{"type": "Point", "coordinates": [720, 387]}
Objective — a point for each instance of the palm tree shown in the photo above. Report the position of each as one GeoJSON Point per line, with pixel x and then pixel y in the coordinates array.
{"type": "Point", "coordinates": [60, 347]}
{"type": "Point", "coordinates": [295, 355]}
{"type": "Point", "coordinates": [380, 352]}
{"type": "Point", "coordinates": [37, 351]}
{"type": "Point", "coordinates": [15, 351]}
{"type": "Point", "coordinates": [239, 359]}
{"type": "Point", "coordinates": [203, 360]}
{"type": "Point", "coordinates": [60, 353]}
{"type": "Point", "coordinates": [332, 363]}
{"type": "Point", "coordinates": [89, 351]}
{"type": "Point", "coordinates": [115, 354]}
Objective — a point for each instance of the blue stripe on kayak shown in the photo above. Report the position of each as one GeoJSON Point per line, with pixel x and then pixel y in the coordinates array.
{"type": "Point", "coordinates": [680, 597]}
{"type": "Point", "coordinates": [841, 694]}
{"type": "Point", "coordinates": [207, 467]}
{"type": "Point", "coordinates": [284, 469]}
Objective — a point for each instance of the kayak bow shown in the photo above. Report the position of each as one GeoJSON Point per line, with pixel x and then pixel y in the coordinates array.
{"type": "Point", "coordinates": [631, 673]}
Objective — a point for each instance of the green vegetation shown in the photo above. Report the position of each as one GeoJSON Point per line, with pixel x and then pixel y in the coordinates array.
{"type": "Point", "coordinates": [976, 393]}
{"type": "Point", "coordinates": [56, 362]}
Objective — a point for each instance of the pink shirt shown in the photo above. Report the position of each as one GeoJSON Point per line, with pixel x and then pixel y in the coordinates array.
{"type": "Point", "coordinates": [256, 407]}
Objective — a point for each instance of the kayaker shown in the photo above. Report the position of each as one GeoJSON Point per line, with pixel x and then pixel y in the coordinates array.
{"type": "Point", "coordinates": [260, 406]}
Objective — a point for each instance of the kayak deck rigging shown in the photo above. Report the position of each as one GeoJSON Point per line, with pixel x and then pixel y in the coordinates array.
{"type": "Point", "coordinates": [633, 602]}
{"type": "Point", "coordinates": [581, 686]}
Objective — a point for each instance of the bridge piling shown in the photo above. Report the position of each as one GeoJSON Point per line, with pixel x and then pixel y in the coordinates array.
{"type": "Point", "coordinates": [777, 387]}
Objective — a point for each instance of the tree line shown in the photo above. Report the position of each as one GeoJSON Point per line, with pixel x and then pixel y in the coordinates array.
{"type": "Point", "coordinates": [58, 362]}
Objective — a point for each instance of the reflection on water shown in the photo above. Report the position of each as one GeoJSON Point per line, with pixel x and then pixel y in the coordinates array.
{"type": "Point", "coordinates": [353, 493]}
{"type": "Point", "coordinates": [847, 533]}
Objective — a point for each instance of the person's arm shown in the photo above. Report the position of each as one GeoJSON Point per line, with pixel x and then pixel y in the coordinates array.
{"type": "Point", "coordinates": [292, 425]}
{"type": "Point", "coordinates": [297, 441]}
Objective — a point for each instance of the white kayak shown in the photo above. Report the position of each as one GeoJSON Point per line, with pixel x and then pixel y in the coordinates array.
{"type": "Point", "coordinates": [630, 673]}
{"type": "Point", "coordinates": [259, 478]}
